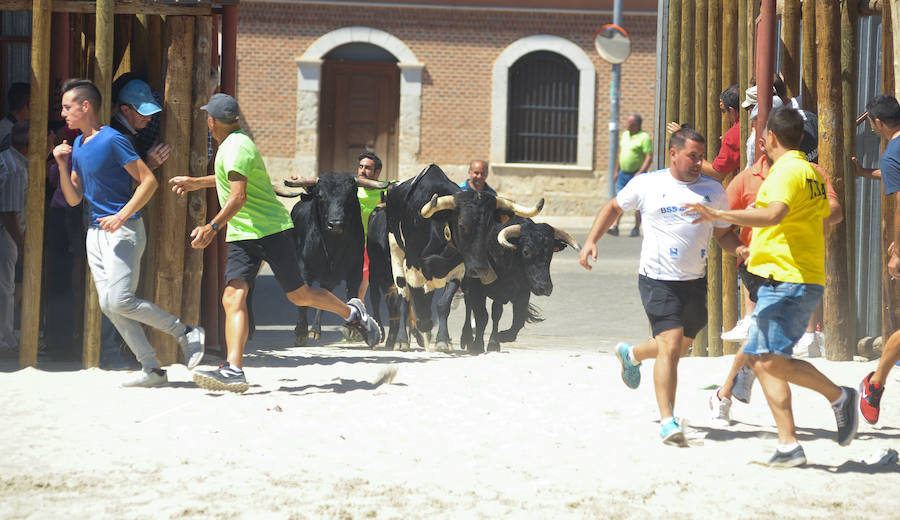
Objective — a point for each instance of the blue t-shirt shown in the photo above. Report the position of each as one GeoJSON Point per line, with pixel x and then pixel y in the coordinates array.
{"type": "Point", "coordinates": [465, 186]}
{"type": "Point", "coordinates": [100, 164]}
{"type": "Point", "coordinates": [890, 167]}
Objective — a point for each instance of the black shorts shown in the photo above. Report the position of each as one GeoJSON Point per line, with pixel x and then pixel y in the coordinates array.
{"type": "Point", "coordinates": [751, 281]}
{"type": "Point", "coordinates": [672, 304]}
{"type": "Point", "coordinates": [245, 257]}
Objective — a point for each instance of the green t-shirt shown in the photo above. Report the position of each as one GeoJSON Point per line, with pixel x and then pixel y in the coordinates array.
{"type": "Point", "coordinates": [368, 199]}
{"type": "Point", "coordinates": [262, 214]}
{"type": "Point", "coordinates": [633, 149]}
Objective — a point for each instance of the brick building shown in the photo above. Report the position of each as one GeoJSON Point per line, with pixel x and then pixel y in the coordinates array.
{"type": "Point", "coordinates": [516, 83]}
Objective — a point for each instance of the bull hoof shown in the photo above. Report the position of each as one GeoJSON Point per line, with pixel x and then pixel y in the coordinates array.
{"type": "Point", "coordinates": [420, 339]}
{"type": "Point", "coordinates": [402, 346]}
{"type": "Point", "coordinates": [506, 336]}
{"type": "Point", "coordinates": [493, 346]}
{"type": "Point", "coordinates": [300, 340]}
{"type": "Point", "coordinates": [476, 348]}
{"type": "Point", "coordinates": [313, 335]}
{"type": "Point", "coordinates": [442, 346]}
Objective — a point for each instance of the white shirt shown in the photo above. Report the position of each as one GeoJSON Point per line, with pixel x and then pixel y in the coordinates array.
{"type": "Point", "coordinates": [13, 182]}
{"type": "Point", "coordinates": [673, 248]}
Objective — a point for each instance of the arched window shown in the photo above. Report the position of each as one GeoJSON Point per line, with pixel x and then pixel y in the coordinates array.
{"type": "Point", "coordinates": [543, 109]}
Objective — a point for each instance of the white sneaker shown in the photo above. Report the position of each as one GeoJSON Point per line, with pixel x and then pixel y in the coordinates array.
{"type": "Point", "coordinates": [802, 347]}
{"type": "Point", "coordinates": [739, 332]}
{"type": "Point", "coordinates": [719, 409]}
{"type": "Point", "coordinates": [743, 385]}
{"type": "Point", "coordinates": [817, 347]}
{"type": "Point", "coordinates": [155, 377]}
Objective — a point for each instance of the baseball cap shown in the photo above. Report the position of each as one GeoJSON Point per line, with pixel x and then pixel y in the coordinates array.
{"type": "Point", "coordinates": [222, 107]}
{"type": "Point", "coordinates": [137, 94]}
{"type": "Point", "coordinates": [776, 102]}
{"type": "Point", "coordinates": [749, 97]}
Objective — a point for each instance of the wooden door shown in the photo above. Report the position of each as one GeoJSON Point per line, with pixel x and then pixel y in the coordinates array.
{"type": "Point", "coordinates": [358, 112]}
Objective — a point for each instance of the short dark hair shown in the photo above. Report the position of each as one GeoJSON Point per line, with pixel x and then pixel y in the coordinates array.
{"type": "Point", "coordinates": [731, 97]}
{"type": "Point", "coordinates": [787, 125]}
{"type": "Point", "coordinates": [84, 90]}
{"type": "Point", "coordinates": [637, 119]}
{"type": "Point", "coordinates": [680, 138]}
{"type": "Point", "coordinates": [886, 108]}
{"type": "Point", "coordinates": [370, 155]}
{"type": "Point", "coordinates": [18, 96]}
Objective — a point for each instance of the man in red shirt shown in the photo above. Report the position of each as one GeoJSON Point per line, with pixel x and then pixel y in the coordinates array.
{"type": "Point", "coordinates": [729, 157]}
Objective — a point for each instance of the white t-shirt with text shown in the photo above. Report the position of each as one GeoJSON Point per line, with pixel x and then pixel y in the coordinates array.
{"type": "Point", "coordinates": [673, 247]}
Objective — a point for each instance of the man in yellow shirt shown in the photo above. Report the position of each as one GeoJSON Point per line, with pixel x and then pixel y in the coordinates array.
{"type": "Point", "coordinates": [788, 250]}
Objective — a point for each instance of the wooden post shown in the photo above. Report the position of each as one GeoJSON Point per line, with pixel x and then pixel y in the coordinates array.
{"type": "Point", "coordinates": [140, 45]}
{"type": "Point", "coordinates": [122, 46]}
{"type": "Point", "coordinates": [808, 70]}
{"type": "Point", "coordinates": [673, 65]}
{"type": "Point", "coordinates": [729, 77]}
{"type": "Point", "coordinates": [37, 167]}
{"type": "Point", "coordinates": [686, 113]}
{"type": "Point", "coordinates": [196, 202]}
{"type": "Point", "coordinates": [849, 77]}
{"type": "Point", "coordinates": [840, 333]}
{"type": "Point", "coordinates": [103, 71]}
{"type": "Point", "coordinates": [790, 38]}
{"type": "Point", "coordinates": [176, 128]}
{"type": "Point", "coordinates": [155, 52]}
{"type": "Point", "coordinates": [890, 315]}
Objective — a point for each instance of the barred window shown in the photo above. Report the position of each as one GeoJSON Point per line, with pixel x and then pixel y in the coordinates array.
{"type": "Point", "coordinates": [542, 118]}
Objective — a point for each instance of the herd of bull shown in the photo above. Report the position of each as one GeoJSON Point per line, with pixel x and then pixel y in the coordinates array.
{"type": "Point", "coordinates": [428, 234]}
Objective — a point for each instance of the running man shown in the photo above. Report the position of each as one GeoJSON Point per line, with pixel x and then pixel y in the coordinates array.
{"type": "Point", "coordinates": [105, 171]}
{"type": "Point", "coordinates": [259, 229]}
{"type": "Point", "coordinates": [672, 273]}
{"type": "Point", "coordinates": [787, 250]}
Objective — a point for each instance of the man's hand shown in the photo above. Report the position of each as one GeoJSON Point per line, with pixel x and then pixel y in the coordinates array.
{"type": "Point", "coordinates": [706, 214]}
{"type": "Point", "coordinates": [62, 152]}
{"type": "Point", "coordinates": [158, 155]}
{"type": "Point", "coordinates": [182, 184]}
{"type": "Point", "coordinates": [111, 223]}
{"type": "Point", "coordinates": [202, 236]}
{"type": "Point", "coordinates": [893, 266]}
{"type": "Point", "coordinates": [588, 251]}
{"type": "Point", "coordinates": [672, 127]}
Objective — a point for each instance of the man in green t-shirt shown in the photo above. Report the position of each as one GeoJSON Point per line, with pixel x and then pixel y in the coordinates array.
{"type": "Point", "coordinates": [369, 168]}
{"type": "Point", "coordinates": [635, 154]}
{"type": "Point", "coordinates": [259, 229]}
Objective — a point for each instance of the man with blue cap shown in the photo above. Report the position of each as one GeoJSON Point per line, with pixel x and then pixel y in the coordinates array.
{"type": "Point", "coordinates": [135, 109]}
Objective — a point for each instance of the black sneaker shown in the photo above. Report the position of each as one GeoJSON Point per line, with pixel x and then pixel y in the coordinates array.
{"type": "Point", "coordinates": [614, 231]}
{"type": "Point", "coordinates": [222, 378]}
{"type": "Point", "coordinates": [364, 325]}
{"type": "Point", "coordinates": [636, 232]}
{"type": "Point", "coordinates": [847, 416]}
{"type": "Point", "coordinates": [791, 459]}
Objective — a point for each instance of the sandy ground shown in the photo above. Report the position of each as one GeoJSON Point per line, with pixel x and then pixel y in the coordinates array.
{"type": "Point", "coordinates": [524, 433]}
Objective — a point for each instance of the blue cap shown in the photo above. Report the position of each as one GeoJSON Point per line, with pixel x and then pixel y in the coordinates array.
{"type": "Point", "coordinates": [137, 94]}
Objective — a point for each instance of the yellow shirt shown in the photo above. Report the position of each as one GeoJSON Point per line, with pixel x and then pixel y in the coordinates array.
{"type": "Point", "coordinates": [794, 249]}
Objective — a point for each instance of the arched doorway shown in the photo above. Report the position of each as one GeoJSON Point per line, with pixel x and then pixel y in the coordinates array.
{"type": "Point", "coordinates": [359, 107]}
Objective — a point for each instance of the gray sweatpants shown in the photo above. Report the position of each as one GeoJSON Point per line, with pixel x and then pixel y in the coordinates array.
{"type": "Point", "coordinates": [115, 261]}
{"type": "Point", "coordinates": [8, 255]}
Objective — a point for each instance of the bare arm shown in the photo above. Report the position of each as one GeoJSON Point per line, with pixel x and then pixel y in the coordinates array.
{"type": "Point", "coordinates": [836, 215]}
{"type": "Point", "coordinates": [894, 251]}
{"type": "Point", "coordinates": [754, 217]}
{"type": "Point", "coordinates": [183, 184]}
{"type": "Point", "coordinates": [646, 164]}
{"type": "Point", "coordinates": [146, 186]}
{"type": "Point", "coordinates": [605, 218]}
{"type": "Point", "coordinates": [707, 168]}
{"type": "Point", "coordinates": [69, 182]}
{"type": "Point", "coordinates": [730, 242]}
{"type": "Point", "coordinates": [869, 173]}
{"type": "Point", "coordinates": [203, 235]}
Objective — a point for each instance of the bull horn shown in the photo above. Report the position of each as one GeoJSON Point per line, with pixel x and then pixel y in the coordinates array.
{"type": "Point", "coordinates": [281, 192]}
{"type": "Point", "coordinates": [297, 182]}
{"type": "Point", "coordinates": [371, 184]}
{"type": "Point", "coordinates": [519, 209]}
{"type": "Point", "coordinates": [509, 232]}
{"type": "Point", "coordinates": [438, 204]}
{"type": "Point", "coordinates": [565, 237]}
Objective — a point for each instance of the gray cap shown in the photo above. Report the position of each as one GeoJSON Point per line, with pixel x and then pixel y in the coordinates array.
{"type": "Point", "coordinates": [222, 107]}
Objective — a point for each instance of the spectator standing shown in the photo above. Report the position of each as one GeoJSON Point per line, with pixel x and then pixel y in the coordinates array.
{"type": "Point", "coordinates": [13, 182]}
{"type": "Point", "coordinates": [18, 99]}
{"type": "Point", "coordinates": [635, 154]}
{"type": "Point", "coordinates": [477, 180]}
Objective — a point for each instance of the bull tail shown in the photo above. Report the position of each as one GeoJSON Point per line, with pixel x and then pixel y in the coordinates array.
{"type": "Point", "coordinates": [533, 314]}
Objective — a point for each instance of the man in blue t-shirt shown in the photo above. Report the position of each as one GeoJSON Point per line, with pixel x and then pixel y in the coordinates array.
{"type": "Point", "coordinates": [477, 181]}
{"type": "Point", "coordinates": [105, 170]}
{"type": "Point", "coordinates": [884, 116]}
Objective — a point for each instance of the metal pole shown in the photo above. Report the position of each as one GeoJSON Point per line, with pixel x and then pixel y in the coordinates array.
{"type": "Point", "coordinates": [614, 109]}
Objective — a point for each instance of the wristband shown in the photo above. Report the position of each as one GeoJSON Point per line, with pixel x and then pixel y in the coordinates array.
{"type": "Point", "coordinates": [214, 226]}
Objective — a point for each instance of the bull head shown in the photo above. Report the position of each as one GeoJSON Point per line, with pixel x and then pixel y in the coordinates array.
{"type": "Point", "coordinates": [514, 231]}
{"type": "Point", "coordinates": [449, 202]}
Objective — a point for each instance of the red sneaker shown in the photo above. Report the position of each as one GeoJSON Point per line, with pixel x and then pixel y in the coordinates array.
{"type": "Point", "coordinates": [870, 399]}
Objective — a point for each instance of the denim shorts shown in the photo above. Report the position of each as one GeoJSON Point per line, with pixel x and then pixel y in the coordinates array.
{"type": "Point", "coordinates": [622, 180]}
{"type": "Point", "coordinates": [780, 317]}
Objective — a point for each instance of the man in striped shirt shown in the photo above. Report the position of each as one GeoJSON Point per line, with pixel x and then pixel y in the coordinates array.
{"type": "Point", "coordinates": [13, 180]}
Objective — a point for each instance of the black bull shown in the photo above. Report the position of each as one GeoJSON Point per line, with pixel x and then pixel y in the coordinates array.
{"type": "Point", "coordinates": [520, 252]}
{"type": "Point", "coordinates": [438, 234]}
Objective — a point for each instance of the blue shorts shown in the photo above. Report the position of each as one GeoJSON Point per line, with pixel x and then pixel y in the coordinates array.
{"type": "Point", "coordinates": [780, 317]}
{"type": "Point", "coordinates": [622, 180]}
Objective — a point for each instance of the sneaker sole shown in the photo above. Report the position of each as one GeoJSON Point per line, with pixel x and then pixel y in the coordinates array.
{"type": "Point", "coordinates": [676, 439]}
{"type": "Point", "coordinates": [862, 400]}
{"type": "Point", "coordinates": [793, 463]}
{"type": "Point", "coordinates": [210, 383]}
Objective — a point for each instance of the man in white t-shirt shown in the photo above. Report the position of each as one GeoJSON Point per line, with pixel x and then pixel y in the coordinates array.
{"type": "Point", "coordinates": [672, 273]}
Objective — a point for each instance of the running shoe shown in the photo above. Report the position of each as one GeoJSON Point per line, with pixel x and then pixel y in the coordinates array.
{"type": "Point", "coordinates": [791, 459]}
{"type": "Point", "coordinates": [803, 345]}
{"type": "Point", "coordinates": [739, 332]}
{"type": "Point", "coordinates": [147, 379]}
{"type": "Point", "coordinates": [742, 385]}
{"type": "Point", "coordinates": [631, 374]}
{"type": "Point", "coordinates": [192, 345]}
{"type": "Point", "coordinates": [614, 231]}
{"type": "Point", "coordinates": [636, 232]}
{"type": "Point", "coordinates": [870, 399]}
{"type": "Point", "coordinates": [846, 415]}
{"type": "Point", "coordinates": [719, 409]}
{"type": "Point", "coordinates": [670, 433]}
{"type": "Point", "coordinates": [222, 378]}
{"type": "Point", "coordinates": [363, 324]}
